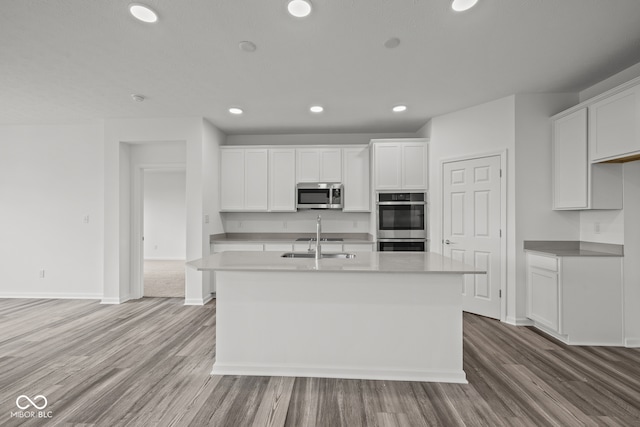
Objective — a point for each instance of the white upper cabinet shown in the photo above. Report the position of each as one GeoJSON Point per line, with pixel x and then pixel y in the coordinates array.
{"type": "Point", "coordinates": [243, 179]}
{"type": "Point", "coordinates": [231, 179]}
{"type": "Point", "coordinates": [570, 161]}
{"type": "Point", "coordinates": [256, 179]}
{"type": "Point", "coordinates": [318, 165]}
{"type": "Point", "coordinates": [615, 125]}
{"type": "Point", "coordinates": [400, 164]}
{"type": "Point", "coordinates": [578, 184]}
{"type": "Point", "coordinates": [282, 179]}
{"type": "Point", "coordinates": [355, 177]}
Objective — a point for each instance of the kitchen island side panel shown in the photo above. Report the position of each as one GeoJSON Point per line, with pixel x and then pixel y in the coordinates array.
{"type": "Point", "coordinates": [365, 325]}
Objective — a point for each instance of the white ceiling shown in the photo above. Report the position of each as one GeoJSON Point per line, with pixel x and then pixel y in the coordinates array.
{"type": "Point", "coordinates": [70, 60]}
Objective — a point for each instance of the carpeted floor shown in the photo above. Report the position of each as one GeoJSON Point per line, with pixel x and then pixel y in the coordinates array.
{"type": "Point", "coordinates": [164, 278]}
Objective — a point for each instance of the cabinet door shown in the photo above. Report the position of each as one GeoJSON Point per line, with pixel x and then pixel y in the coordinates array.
{"type": "Point", "coordinates": [358, 247]}
{"type": "Point", "coordinates": [414, 166]}
{"type": "Point", "coordinates": [615, 125]}
{"type": "Point", "coordinates": [543, 297]}
{"type": "Point", "coordinates": [387, 166]}
{"type": "Point", "coordinates": [330, 164]}
{"type": "Point", "coordinates": [284, 247]}
{"type": "Point", "coordinates": [307, 165]}
{"type": "Point", "coordinates": [282, 180]}
{"type": "Point", "coordinates": [226, 247]}
{"type": "Point", "coordinates": [256, 179]}
{"type": "Point", "coordinates": [355, 177]}
{"type": "Point", "coordinates": [231, 179]}
{"type": "Point", "coordinates": [570, 161]}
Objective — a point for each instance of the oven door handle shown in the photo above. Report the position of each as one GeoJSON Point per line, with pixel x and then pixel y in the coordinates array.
{"type": "Point", "coordinates": [400, 203]}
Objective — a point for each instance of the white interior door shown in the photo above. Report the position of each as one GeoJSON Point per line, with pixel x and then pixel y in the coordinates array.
{"type": "Point", "coordinates": [471, 228]}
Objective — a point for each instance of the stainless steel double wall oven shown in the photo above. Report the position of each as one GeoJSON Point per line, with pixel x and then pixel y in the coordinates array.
{"type": "Point", "coordinates": [402, 221]}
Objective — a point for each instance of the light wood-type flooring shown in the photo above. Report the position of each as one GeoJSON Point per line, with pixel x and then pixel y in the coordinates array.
{"type": "Point", "coordinates": [147, 363]}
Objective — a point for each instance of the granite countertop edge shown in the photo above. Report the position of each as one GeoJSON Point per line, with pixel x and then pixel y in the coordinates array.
{"type": "Point", "coordinates": [574, 248]}
{"type": "Point", "coordinates": [364, 262]}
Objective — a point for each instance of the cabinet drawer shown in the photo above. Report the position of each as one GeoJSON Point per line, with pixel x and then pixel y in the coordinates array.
{"type": "Point", "coordinates": [545, 262]}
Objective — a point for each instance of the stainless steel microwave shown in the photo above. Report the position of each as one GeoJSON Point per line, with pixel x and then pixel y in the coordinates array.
{"type": "Point", "coordinates": [319, 195]}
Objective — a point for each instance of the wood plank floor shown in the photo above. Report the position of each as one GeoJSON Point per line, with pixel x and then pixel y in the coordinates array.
{"type": "Point", "coordinates": [147, 363]}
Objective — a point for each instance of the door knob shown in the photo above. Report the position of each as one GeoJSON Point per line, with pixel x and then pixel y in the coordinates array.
{"type": "Point", "coordinates": [448, 242]}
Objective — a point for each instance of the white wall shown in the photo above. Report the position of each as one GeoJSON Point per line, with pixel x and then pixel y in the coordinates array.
{"type": "Point", "coordinates": [602, 226]}
{"type": "Point", "coordinates": [118, 134]}
{"type": "Point", "coordinates": [611, 223]}
{"type": "Point", "coordinates": [611, 82]}
{"type": "Point", "coordinates": [534, 217]}
{"type": "Point", "coordinates": [311, 139]}
{"type": "Point", "coordinates": [631, 202]}
{"type": "Point", "coordinates": [484, 129]}
{"type": "Point", "coordinates": [519, 125]}
{"type": "Point", "coordinates": [50, 180]}
{"type": "Point", "coordinates": [165, 213]}
{"type": "Point", "coordinates": [212, 139]}
{"type": "Point", "coordinates": [296, 222]}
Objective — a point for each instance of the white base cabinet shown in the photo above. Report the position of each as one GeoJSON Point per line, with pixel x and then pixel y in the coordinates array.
{"type": "Point", "coordinates": [576, 299]}
{"type": "Point", "coordinates": [288, 247]}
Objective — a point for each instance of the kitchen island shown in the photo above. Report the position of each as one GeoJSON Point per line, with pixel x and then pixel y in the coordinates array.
{"type": "Point", "coordinates": [379, 315]}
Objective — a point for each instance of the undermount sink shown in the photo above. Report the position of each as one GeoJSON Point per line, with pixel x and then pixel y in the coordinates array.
{"type": "Point", "coordinates": [340, 255]}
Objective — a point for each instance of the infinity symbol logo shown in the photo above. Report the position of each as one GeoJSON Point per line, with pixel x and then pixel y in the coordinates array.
{"type": "Point", "coordinates": [31, 402]}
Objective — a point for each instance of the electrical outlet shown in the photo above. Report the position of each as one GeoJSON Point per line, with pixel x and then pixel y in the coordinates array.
{"type": "Point", "coordinates": [355, 224]}
{"type": "Point", "coordinates": [41, 274]}
{"type": "Point", "coordinates": [239, 224]}
{"type": "Point", "coordinates": [86, 219]}
{"type": "Point", "coordinates": [206, 219]}
{"type": "Point", "coordinates": [596, 227]}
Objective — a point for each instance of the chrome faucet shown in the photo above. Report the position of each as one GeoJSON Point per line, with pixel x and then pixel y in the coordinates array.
{"type": "Point", "coordinates": [318, 232]}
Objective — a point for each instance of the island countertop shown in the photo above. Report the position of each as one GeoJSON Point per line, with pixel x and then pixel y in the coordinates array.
{"type": "Point", "coordinates": [369, 262]}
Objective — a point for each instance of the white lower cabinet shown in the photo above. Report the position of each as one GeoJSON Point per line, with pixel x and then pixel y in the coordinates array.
{"type": "Point", "coordinates": [225, 247]}
{"type": "Point", "coordinates": [326, 247]}
{"type": "Point", "coordinates": [577, 299]}
{"type": "Point", "coordinates": [288, 247]}
{"type": "Point", "coordinates": [284, 247]}
{"type": "Point", "coordinates": [358, 247]}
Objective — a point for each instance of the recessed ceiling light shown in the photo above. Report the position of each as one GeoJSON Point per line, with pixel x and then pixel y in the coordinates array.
{"type": "Point", "coordinates": [462, 5]}
{"type": "Point", "coordinates": [143, 13]}
{"type": "Point", "coordinates": [392, 43]}
{"type": "Point", "coordinates": [137, 98]}
{"type": "Point", "coordinates": [399, 108]}
{"type": "Point", "coordinates": [299, 8]}
{"type": "Point", "coordinates": [235, 110]}
{"type": "Point", "coordinates": [247, 46]}
{"type": "Point", "coordinates": [316, 109]}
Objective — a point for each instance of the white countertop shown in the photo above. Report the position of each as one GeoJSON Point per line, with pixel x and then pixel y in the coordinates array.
{"type": "Point", "coordinates": [369, 262]}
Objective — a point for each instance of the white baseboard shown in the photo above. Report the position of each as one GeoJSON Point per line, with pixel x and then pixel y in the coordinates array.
{"type": "Point", "coordinates": [47, 295]}
{"type": "Point", "coordinates": [518, 321]}
{"type": "Point", "coordinates": [199, 301]}
{"type": "Point", "coordinates": [119, 300]}
{"type": "Point", "coordinates": [164, 259]}
{"type": "Point", "coordinates": [458, 377]}
{"type": "Point", "coordinates": [632, 342]}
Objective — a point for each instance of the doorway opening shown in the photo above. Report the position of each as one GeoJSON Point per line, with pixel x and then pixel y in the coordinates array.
{"type": "Point", "coordinates": [164, 232]}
